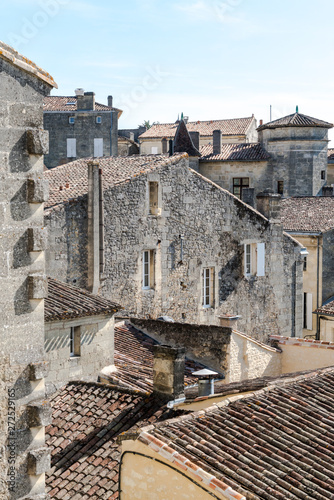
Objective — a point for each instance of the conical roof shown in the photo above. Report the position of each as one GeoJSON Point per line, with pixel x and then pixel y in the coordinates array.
{"type": "Point", "coordinates": [183, 142]}
{"type": "Point", "coordinates": [296, 120]}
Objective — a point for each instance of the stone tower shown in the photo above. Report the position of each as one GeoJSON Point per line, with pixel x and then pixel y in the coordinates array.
{"type": "Point", "coordinates": [23, 410]}
{"type": "Point", "coordinates": [298, 147]}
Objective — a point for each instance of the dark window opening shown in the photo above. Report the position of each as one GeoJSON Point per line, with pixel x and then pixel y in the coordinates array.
{"type": "Point", "coordinates": [238, 184]}
{"type": "Point", "coordinates": [280, 187]}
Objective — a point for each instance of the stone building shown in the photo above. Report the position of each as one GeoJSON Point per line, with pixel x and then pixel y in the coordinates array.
{"type": "Point", "coordinates": [127, 146]}
{"type": "Point", "coordinates": [236, 130]}
{"type": "Point", "coordinates": [79, 127]}
{"type": "Point", "coordinates": [24, 412]}
{"type": "Point", "coordinates": [169, 241]}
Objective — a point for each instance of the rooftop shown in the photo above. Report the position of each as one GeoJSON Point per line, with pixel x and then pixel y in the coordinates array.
{"type": "Point", "coordinates": [11, 55]}
{"type": "Point", "coordinates": [65, 301]}
{"type": "Point", "coordinates": [308, 214]}
{"type": "Point", "coordinates": [70, 181]}
{"type": "Point", "coordinates": [64, 103]}
{"type": "Point", "coordinates": [235, 152]}
{"type": "Point", "coordinates": [87, 419]}
{"type": "Point", "coordinates": [328, 309]}
{"type": "Point", "coordinates": [277, 443]}
{"type": "Point", "coordinates": [330, 154]}
{"type": "Point", "coordinates": [233, 126]}
{"type": "Point", "coordinates": [296, 120]}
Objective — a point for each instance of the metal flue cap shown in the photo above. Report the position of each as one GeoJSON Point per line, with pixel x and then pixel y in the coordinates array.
{"type": "Point", "coordinates": [204, 373]}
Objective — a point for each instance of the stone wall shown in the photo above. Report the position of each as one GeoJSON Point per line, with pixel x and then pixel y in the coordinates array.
{"type": "Point", "coordinates": [96, 350]}
{"type": "Point", "coordinates": [84, 130]}
{"type": "Point", "coordinates": [214, 227]}
{"type": "Point", "coordinates": [327, 266]}
{"type": "Point", "coordinates": [206, 344]}
{"type": "Point", "coordinates": [22, 281]}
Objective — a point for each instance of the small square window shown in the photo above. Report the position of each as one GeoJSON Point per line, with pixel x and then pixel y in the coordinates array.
{"type": "Point", "coordinates": [323, 175]}
{"type": "Point", "coordinates": [98, 119]}
{"type": "Point", "coordinates": [71, 120]}
{"type": "Point", "coordinates": [75, 341]}
{"type": "Point", "coordinates": [305, 263]}
{"type": "Point", "coordinates": [280, 187]}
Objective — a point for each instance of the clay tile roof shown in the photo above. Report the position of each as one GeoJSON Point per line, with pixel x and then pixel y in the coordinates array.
{"type": "Point", "coordinates": [134, 359]}
{"type": "Point", "coordinates": [234, 126]}
{"type": "Point", "coordinates": [296, 120]}
{"type": "Point", "coordinates": [65, 301]}
{"type": "Point", "coordinates": [235, 152]}
{"type": "Point", "coordinates": [308, 213]}
{"type": "Point", "coordinates": [330, 155]}
{"type": "Point", "coordinates": [11, 55]}
{"type": "Point", "coordinates": [87, 419]}
{"type": "Point", "coordinates": [183, 141]}
{"type": "Point", "coordinates": [275, 444]}
{"type": "Point", "coordinates": [63, 103]}
{"type": "Point", "coordinates": [327, 308]}
{"type": "Point", "coordinates": [70, 181]}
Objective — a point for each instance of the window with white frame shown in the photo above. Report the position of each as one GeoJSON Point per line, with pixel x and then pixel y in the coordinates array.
{"type": "Point", "coordinates": [71, 148]}
{"type": "Point", "coordinates": [154, 150]}
{"type": "Point", "coordinates": [75, 341]}
{"type": "Point", "coordinates": [148, 269]}
{"type": "Point", "coordinates": [254, 259]}
{"type": "Point", "coordinates": [98, 119]}
{"type": "Point", "coordinates": [208, 287]}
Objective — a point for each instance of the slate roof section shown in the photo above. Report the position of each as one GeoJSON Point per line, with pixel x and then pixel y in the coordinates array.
{"type": "Point", "coordinates": [9, 54]}
{"type": "Point", "coordinates": [87, 419]}
{"type": "Point", "coordinates": [330, 155]}
{"type": "Point", "coordinates": [65, 301]}
{"type": "Point", "coordinates": [63, 103]}
{"type": "Point", "coordinates": [133, 358]}
{"type": "Point", "coordinates": [183, 142]}
{"type": "Point", "coordinates": [70, 181]}
{"type": "Point", "coordinates": [295, 120]}
{"type": "Point", "coordinates": [235, 152]}
{"type": "Point", "coordinates": [308, 214]}
{"type": "Point", "coordinates": [276, 444]}
{"type": "Point", "coordinates": [233, 126]}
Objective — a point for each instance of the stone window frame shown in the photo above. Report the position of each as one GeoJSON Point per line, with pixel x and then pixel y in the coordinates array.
{"type": "Point", "coordinates": [98, 120]}
{"type": "Point", "coordinates": [208, 287]}
{"type": "Point", "coordinates": [71, 120]}
{"type": "Point", "coordinates": [75, 341]}
{"type": "Point", "coordinates": [254, 259]}
{"type": "Point", "coordinates": [148, 269]}
{"type": "Point", "coordinates": [240, 186]}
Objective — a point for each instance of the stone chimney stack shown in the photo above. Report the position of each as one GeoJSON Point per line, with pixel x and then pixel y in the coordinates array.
{"type": "Point", "coordinates": [195, 138]}
{"type": "Point", "coordinates": [168, 371]}
{"type": "Point", "coordinates": [327, 191]}
{"type": "Point", "coordinates": [93, 226]}
{"type": "Point", "coordinates": [110, 101]}
{"type": "Point", "coordinates": [217, 142]}
{"type": "Point", "coordinates": [268, 204]}
{"type": "Point", "coordinates": [86, 102]}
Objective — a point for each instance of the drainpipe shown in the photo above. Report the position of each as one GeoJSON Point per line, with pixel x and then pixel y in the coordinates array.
{"type": "Point", "coordinates": [110, 133]}
{"type": "Point", "coordinates": [101, 226]}
{"type": "Point", "coordinates": [93, 226]}
{"type": "Point", "coordinates": [317, 335]}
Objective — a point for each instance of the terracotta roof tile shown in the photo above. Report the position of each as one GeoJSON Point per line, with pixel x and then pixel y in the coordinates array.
{"type": "Point", "coordinates": [87, 419]}
{"type": "Point", "coordinates": [134, 359]}
{"type": "Point", "coordinates": [66, 301]}
{"type": "Point", "coordinates": [296, 120]}
{"type": "Point", "coordinates": [308, 213]}
{"type": "Point", "coordinates": [328, 310]}
{"type": "Point", "coordinates": [64, 103]}
{"type": "Point", "coordinates": [275, 444]}
{"type": "Point", "coordinates": [330, 154]}
{"type": "Point", "coordinates": [70, 181]}
{"type": "Point", "coordinates": [235, 152]}
{"type": "Point", "coordinates": [234, 126]}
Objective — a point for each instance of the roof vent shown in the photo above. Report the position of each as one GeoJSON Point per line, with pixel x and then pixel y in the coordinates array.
{"type": "Point", "coordinates": [206, 382]}
{"type": "Point", "coordinates": [79, 92]}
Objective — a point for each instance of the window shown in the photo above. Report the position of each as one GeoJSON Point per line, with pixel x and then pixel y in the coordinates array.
{"type": "Point", "coordinates": [323, 174]}
{"type": "Point", "coordinates": [98, 119]}
{"type": "Point", "coordinates": [153, 197]}
{"type": "Point", "coordinates": [75, 341]}
{"type": "Point", "coordinates": [71, 120]}
{"type": "Point", "coordinates": [307, 311]}
{"type": "Point", "coordinates": [238, 184]}
{"type": "Point", "coordinates": [305, 263]}
{"type": "Point", "coordinates": [280, 187]}
{"type": "Point", "coordinates": [98, 148]}
{"type": "Point", "coordinates": [154, 151]}
{"type": "Point", "coordinates": [148, 269]}
{"type": "Point", "coordinates": [254, 259]}
{"type": "Point", "coordinates": [208, 287]}
{"type": "Point", "coordinates": [71, 148]}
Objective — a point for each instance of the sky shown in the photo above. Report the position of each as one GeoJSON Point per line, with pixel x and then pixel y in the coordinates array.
{"type": "Point", "coordinates": [210, 59]}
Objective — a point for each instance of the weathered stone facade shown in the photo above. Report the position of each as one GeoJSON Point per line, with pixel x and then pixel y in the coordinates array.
{"type": "Point", "coordinates": [198, 230]}
{"type": "Point", "coordinates": [23, 457]}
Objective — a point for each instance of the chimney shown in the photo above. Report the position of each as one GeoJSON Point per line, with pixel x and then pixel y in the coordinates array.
{"type": "Point", "coordinates": [131, 136]}
{"type": "Point", "coordinates": [86, 102]}
{"type": "Point", "coordinates": [206, 382]}
{"type": "Point", "coordinates": [248, 196]}
{"type": "Point", "coordinates": [268, 204]}
{"type": "Point", "coordinates": [327, 191]}
{"type": "Point", "coordinates": [261, 122]}
{"type": "Point", "coordinates": [79, 92]}
{"type": "Point", "coordinates": [110, 99]}
{"type": "Point", "coordinates": [186, 119]}
{"type": "Point", "coordinates": [229, 321]}
{"type": "Point", "coordinates": [195, 138]}
{"type": "Point", "coordinates": [168, 371]}
{"type": "Point", "coordinates": [217, 142]}
{"type": "Point", "coordinates": [94, 229]}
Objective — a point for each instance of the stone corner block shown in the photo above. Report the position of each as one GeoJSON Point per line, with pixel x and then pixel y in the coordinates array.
{"type": "Point", "coordinates": [39, 413]}
{"type": "Point", "coordinates": [38, 190]}
{"type": "Point", "coordinates": [37, 239]}
{"type": "Point", "coordinates": [37, 287]}
{"type": "Point", "coordinates": [38, 371]}
{"type": "Point", "coordinates": [38, 141]}
{"type": "Point", "coordinates": [39, 461]}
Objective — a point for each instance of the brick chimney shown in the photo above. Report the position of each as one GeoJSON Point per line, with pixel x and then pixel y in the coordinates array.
{"type": "Point", "coordinates": [217, 142]}
{"type": "Point", "coordinates": [168, 371]}
{"type": "Point", "coordinates": [86, 102]}
{"type": "Point", "coordinates": [110, 101]}
{"type": "Point", "coordinates": [268, 204]}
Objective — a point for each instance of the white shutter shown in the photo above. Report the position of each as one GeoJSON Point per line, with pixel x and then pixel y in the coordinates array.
{"type": "Point", "coordinates": [154, 151]}
{"type": "Point", "coordinates": [71, 148]}
{"type": "Point", "coordinates": [260, 259]}
{"type": "Point", "coordinates": [309, 309]}
{"type": "Point", "coordinates": [98, 148]}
